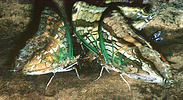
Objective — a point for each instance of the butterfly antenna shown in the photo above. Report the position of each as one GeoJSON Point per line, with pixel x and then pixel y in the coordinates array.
{"type": "Point", "coordinates": [50, 81]}
{"type": "Point", "coordinates": [125, 81]}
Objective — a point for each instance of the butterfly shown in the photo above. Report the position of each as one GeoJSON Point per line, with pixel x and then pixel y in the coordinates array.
{"type": "Point", "coordinates": [50, 50]}
{"type": "Point", "coordinates": [109, 37]}
{"type": "Point", "coordinates": [106, 32]}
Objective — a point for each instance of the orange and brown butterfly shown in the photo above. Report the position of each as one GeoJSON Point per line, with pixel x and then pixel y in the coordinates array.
{"type": "Point", "coordinates": [50, 50]}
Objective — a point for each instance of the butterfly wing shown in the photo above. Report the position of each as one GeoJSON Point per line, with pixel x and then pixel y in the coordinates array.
{"type": "Point", "coordinates": [85, 19]}
{"type": "Point", "coordinates": [134, 10]}
{"type": "Point", "coordinates": [126, 52]}
{"type": "Point", "coordinates": [50, 50]}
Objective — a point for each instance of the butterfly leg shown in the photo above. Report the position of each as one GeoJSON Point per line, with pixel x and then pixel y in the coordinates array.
{"type": "Point", "coordinates": [50, 81]}
{"type": "Point", "coordinates": [76, 63]}
{"type": "Point", "coordinates": [77, 73]}
{"type": "Point", "coordinates": [125, 81]}
{"type": "Point", "coordinates": [101, 72]}
{"type": "Point", "coordinates": [82, 47]}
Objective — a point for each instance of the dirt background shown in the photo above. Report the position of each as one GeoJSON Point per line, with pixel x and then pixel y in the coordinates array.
{"type": "Point", "coordinates": [19, 20]}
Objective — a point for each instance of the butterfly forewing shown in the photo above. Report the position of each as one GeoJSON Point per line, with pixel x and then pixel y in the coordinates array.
{"type": "Point", "coordinates": [115, 34]}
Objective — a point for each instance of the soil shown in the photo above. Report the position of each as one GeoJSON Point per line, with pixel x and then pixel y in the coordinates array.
{"type": "Point", "coordinates": [19, 20]}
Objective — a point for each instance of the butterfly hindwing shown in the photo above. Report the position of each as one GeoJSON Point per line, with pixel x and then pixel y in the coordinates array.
{"type": "Point", "coordinates": [125, 50]}
{"type": "Point", "coordinates": [85, 18]}
{"type": "Point", "coordinates": [56, 54]}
